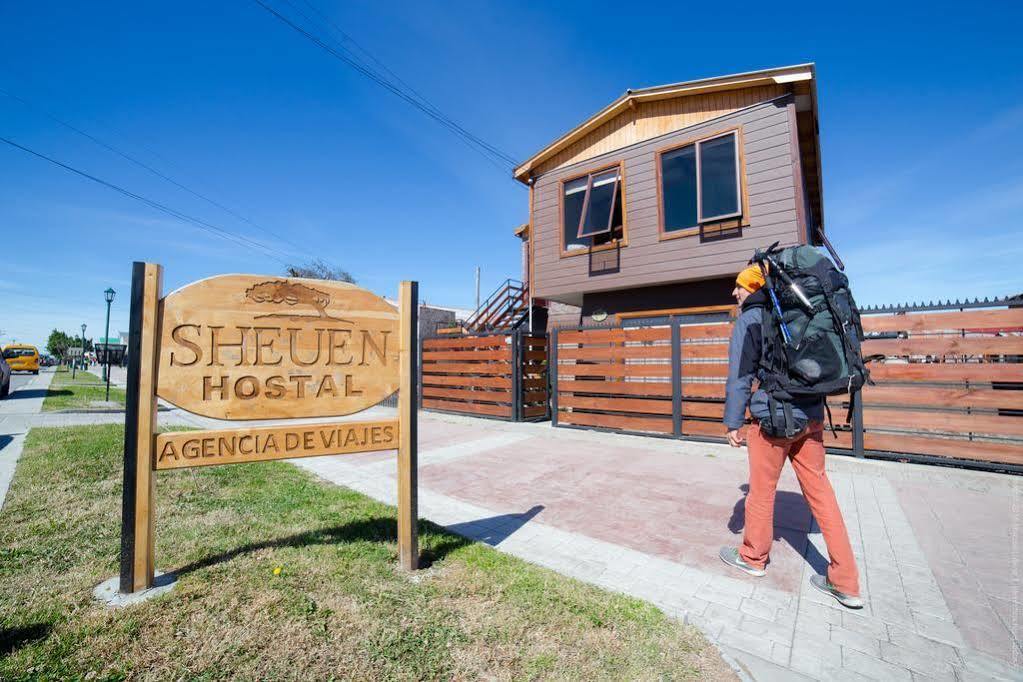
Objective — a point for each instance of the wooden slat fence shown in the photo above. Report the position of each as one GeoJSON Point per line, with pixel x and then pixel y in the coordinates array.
{"type": "Point", "coordinates": [495, 375]}
{"type": "Point", "coordinates": [615, 378]}
{"type": "Point", "coordinates": [534, 404]}
{"type": "Point", "coordinates": [949, 384]}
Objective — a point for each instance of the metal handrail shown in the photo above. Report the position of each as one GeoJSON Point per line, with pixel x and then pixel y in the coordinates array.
{"type": "Point", "coordinates": [501, 303]}
{"type": "Point", "coordinates": [517, 305]}
{"type": "Point", "coordinates": [487, 302]}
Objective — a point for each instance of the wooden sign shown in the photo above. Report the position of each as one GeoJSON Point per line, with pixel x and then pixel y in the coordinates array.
{"type": "Point", "coordinates": [250, 347]}
{"type": "Point", "coordinates": [205, 448]}
{"type": "Point", "coordinates": [255, 347]}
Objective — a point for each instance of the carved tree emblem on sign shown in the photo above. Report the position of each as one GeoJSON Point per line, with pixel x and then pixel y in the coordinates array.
{"type": "Point", "coordinates": [292, 294]}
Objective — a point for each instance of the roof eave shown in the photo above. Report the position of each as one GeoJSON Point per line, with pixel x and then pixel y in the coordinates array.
{"type": "Point", "coordinates": [785, 74]}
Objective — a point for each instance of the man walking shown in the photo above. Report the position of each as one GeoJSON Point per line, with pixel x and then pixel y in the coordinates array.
{"type": "Point", "coordinates": [767, 455]}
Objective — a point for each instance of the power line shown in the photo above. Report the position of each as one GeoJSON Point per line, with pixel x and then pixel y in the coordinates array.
{"type": "Point", "coordinates": [484, 148]}
{"type": "Point", "coordinates": [366, 52]}
{"type": "Point", "coordinates": [492, 154]}
{"type": "Point", "coordinates": [492, 151]}
{"type": "Point", "coordinates": [147, 167]}
{"type": "Point", "coordinates": [201, 224]}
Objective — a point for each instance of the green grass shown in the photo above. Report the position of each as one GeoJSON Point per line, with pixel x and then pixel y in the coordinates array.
{"type": "Point", "coordinates": [80, 393]}
{"type": "Point", "coordinates": [339, 607]}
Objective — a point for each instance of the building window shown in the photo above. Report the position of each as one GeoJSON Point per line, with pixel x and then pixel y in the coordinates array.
{"type": "Point", "coordinates": [592, 210]}
{"type": "Point", "coordinates": [700, 182]}
{"type": "Point", "coordinates": [678, 187]}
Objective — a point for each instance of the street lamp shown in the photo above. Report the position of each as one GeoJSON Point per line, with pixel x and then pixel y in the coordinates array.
{"type": "Point", "coordinates": [108, 295]}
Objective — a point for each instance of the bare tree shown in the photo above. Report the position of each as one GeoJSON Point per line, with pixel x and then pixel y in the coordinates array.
{"type": "Point", "coordinates": [319, 269]}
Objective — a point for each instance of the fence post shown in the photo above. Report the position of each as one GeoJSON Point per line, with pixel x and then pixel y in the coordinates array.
{"type": "Point", "coordinates": [857, 424]}
{"type": "Point", "coordinates": [546, 374]}
{"type": "Point", "coordinates": [552, 374]}
{"type": "Point", "coordinates": [516, 353]}
{"type": "Point", "coordinates": [419, 371]}
{"type": "Point", "coordinates": [676, 376]}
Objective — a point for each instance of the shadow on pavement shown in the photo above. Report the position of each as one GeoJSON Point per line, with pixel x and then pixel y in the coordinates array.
{"type": "Point", "coordinates": [24, 393]}
{"type": "Point", "coordinates": [379, 529]}
{"type": "Point", "coordinates": [495, 529]}
{"type": "Point", "coordinates": [792, 522]}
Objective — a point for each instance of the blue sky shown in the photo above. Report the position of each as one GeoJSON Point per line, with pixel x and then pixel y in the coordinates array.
{"type": "Point", "coordinates": [921, 127]}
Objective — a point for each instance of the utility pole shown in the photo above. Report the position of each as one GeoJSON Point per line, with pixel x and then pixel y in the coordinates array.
{"type": "Point", "coordinates": [477, 287]}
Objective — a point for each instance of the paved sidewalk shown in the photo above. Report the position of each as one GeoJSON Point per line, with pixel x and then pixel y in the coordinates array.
{"type": "Point", "coordinates": [16, 414]}
{"type": "Point", "coordinates": [939, 549]}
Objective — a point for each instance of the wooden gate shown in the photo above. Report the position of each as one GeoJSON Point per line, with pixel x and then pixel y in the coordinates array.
{"type": "Point", "coordinates": [500, 375]}
{"type": "Point", "coordinates": [663, 379]}
{"type": "Point", "coordinates": [949, 384]}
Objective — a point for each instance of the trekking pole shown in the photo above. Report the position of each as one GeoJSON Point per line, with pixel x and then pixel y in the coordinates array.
{"type": "Point", "coordinates": [786, 337]}
{"type": "Point", "coordinates": [796, 290]}
{"type": "Point", "coordinates": [831, 249]}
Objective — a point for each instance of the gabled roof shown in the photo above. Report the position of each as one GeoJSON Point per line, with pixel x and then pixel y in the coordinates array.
{"type": "Point", "coordinates": [784, 74]}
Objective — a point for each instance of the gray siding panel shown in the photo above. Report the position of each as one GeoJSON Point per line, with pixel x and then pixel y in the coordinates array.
{"type": "Point", "coordinates": [767, 148]}
{"type": "Point", "coordinates": [782, 183]}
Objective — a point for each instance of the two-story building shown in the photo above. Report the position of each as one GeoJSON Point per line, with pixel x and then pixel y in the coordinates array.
{"type": "Point", "coordinates": [653, 204]}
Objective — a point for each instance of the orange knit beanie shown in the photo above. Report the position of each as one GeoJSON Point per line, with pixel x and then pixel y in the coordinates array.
{"type": "Point", "coordinates": [750, 279]}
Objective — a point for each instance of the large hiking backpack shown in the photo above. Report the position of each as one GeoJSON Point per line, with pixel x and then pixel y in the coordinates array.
{"type": "Point", "coordinates": [822, 356]}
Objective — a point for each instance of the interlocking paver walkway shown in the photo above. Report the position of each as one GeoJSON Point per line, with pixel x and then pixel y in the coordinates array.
{"type": "Point", "coordinates": [938, 549]}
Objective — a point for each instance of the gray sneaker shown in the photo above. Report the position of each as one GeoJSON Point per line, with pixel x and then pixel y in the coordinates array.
{"type": "Point", "coordinates": [846, 600]}
{"type": "Point", "coordinates": [730, 555]}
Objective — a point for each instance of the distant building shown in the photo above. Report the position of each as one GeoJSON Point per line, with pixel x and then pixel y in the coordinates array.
{"type": "Point", "coordinates": [116, 346]}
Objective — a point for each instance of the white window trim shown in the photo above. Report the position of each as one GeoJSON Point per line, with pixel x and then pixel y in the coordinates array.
{"type": "Point", "coordinates": [700, 218]}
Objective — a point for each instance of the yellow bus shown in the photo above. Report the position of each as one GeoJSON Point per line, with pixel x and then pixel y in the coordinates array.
{"type": "Point", "coordinates": [22, 357]}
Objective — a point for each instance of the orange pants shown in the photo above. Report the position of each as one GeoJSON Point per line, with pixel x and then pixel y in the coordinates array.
{"type": "Point", "coordinates": [806, 451]}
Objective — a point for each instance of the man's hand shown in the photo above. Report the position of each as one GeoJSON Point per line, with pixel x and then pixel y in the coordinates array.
{"type": "Point", "coordinates": [734, 439]}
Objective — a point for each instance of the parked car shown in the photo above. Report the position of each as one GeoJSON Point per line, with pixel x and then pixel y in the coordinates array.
{"type": "Point", "coordinates": [5, 379]}
{"type": "Point", "coordinates": [22, 357]}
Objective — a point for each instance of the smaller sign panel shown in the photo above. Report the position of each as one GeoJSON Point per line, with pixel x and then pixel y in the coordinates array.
{"type": "Point", "coordinates": [181, 449]}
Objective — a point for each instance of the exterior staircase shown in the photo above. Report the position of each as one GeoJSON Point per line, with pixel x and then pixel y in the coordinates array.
{"type": "Point", "coordinates": [504, 309]}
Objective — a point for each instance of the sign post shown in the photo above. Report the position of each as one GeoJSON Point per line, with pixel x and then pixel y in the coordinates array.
{"type": "Point", "coordinates": [137, 510]}
{"type": "Point", "coordinates": [408, 427]}
{"type": "Point", "coordinates": [249, 347]}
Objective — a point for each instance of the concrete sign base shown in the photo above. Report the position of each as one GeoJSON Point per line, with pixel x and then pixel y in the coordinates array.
{"type": "Point", "coordinates": [108, 593]}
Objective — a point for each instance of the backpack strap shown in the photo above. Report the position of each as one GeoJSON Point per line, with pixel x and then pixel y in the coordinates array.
{"type": "Point", "coordinates": [790, 425]}
{"type": "Point", "coordinates": [782, 420]}
{"type": "Point", "coordinates": [831, 423]}
{"type": "Point", "coordinates": [852, 358]}
{"type": "Point", "coordinates": [852, 406]}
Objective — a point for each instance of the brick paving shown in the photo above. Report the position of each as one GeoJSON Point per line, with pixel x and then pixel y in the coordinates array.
{"type": "Point", "coordinates": [939, 549]}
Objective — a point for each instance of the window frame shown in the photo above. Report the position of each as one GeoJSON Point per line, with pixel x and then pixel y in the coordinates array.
{"type": "Point", "coordinates": [739, 219]}
{"type": "Point", "coordinates": [700, 218]}
{"type": "Point", "coordinates": [615, 242]}
{"type": "Point", "coordinates": [586, 205]}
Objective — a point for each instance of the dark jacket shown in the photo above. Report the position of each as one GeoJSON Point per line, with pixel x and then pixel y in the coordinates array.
{"type": "Point", "coordinates": [744, 363]}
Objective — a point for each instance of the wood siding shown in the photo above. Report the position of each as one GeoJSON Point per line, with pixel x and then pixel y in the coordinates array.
{"type": "Point", "coordinates": [646, 260]}
{"type": "Point", "coordinates": [648, 120]}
